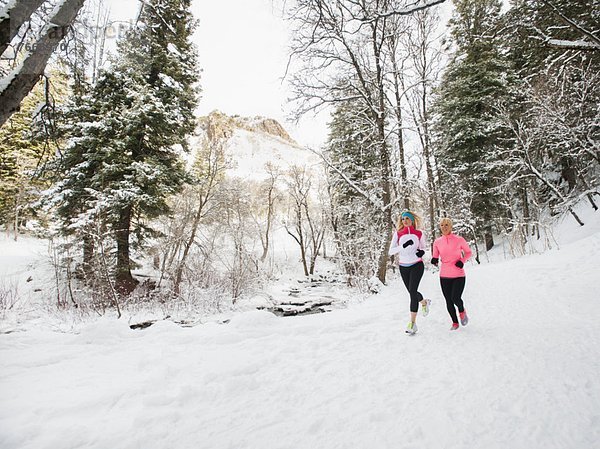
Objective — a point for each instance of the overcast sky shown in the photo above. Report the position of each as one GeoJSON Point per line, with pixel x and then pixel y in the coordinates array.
{"type": "Point", "coordinates": [242, 46]}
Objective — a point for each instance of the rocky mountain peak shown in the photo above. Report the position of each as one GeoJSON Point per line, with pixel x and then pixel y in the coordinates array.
{"type": "Point", "coordinates": [218, 125]}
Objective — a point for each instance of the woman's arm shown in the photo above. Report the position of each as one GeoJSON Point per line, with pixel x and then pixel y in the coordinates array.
{"type": "Point", "coordinates": [436, 251]}
{"type": "Point", "coordinates": [464, 246]}
{"type": "Point", "coordinates": [422, 242]}
{"type": "Point", "coordinates": [394, 248]}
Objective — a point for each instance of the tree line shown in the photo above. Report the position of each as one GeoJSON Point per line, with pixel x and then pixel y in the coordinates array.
{"type": "Point", "coordinates": [494, 123]}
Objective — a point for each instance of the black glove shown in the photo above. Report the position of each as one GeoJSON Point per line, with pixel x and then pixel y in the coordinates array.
{"type": "Point", "coordinates": [420, 253]}
{"type": "Point", "coordinates": [408, 243]}
{"type": "Point", "coordinates": [459, 264]}
{"type": "Point", "coordinates": [434, 261]}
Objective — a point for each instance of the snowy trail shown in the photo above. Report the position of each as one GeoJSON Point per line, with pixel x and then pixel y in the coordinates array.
{"type": "Point", "coordinates": [522, 374]}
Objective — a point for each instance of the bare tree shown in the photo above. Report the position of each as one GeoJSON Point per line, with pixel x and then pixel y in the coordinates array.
{"type": "Point", "coordinates": [340, 46]}
{"type": "Point", "coordinates": [270, 190]}
{"type": "Point", "coordinates": [308, 222]}
{"type": "Point", "coordinates": [397, 75]}
{"type": "Point", "coordinates": [208, 171]}
{"type": "Point", "coordinates": [425, 55]}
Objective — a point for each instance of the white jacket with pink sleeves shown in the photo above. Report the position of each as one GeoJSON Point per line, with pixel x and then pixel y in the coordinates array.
{"type": "Point", "coordinates": [405, 244]}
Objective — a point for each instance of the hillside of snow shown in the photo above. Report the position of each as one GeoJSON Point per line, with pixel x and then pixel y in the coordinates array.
{"type": "Point", "coordinates": [250, 143]}
{"type": "Point", "coordinates": [522, 374]}
{"type": "Point", "coordinates": [250, 152]}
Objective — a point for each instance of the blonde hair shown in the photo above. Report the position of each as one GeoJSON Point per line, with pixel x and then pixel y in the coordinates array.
{"type": "Point", "coordinates": [416, 221]}
{"type": "Point", "coordinates": [446, 220]}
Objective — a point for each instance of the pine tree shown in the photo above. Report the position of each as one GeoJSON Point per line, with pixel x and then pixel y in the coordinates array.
{"type": "Point", "coordinates": [468, 131]}
{"type": "Point", "coordinates": [359, 226]}
{"type": "Point", "coordinates": [22, 155]}
{"type": "Point", "coordinates": [559, 100]}
{"type": "Point", "coordinates": [91, 124]}
{"type": "Point", "coordinates": [528, 25]}
{"type": "Point", "coordinates": [124, 160]}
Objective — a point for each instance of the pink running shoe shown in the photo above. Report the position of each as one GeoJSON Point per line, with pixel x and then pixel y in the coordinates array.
{"type": "Point", "coordinates": [464, 319]}
{"type": "Point", "coordinates": [454, 327]}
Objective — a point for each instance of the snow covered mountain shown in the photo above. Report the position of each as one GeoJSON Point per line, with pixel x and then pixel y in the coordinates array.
{"type": "Point", "coordinates": [252, 142]}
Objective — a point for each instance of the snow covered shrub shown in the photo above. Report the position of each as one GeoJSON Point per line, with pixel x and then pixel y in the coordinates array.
{"type": "Point", "coordinates": [358, 241]}
{"type": "Point", "coordinates": [9, 297]}
{"type": "Point", "coordinates": [87, 285]}
{"type": "Point", "coordinates": [203, 301]}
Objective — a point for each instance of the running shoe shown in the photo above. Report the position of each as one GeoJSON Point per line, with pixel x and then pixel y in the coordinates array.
{"type": "Point", "coordinates": [454, 327]}
{"type": "Point", "coordinates": [411, 329]}
{"type": "Point", "coordinates": [464, 319]}
{"type": "Point", "coordinates": [425, 307]}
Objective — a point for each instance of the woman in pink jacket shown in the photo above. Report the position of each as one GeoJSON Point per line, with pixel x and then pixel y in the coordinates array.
{"type": "Point", "coordinates": [453, 251]}
{"type": "Point", "coordinates": [408, 244]}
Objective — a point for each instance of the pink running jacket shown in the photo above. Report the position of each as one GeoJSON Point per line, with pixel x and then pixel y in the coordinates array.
{"type": "Point", "coordinates": [450, 249]}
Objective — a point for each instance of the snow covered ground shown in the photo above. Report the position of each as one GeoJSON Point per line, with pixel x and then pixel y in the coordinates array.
{"type": "Point", "coordinates": [522, 374]}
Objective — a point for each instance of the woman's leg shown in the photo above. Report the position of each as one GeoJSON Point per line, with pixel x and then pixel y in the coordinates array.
{"type": "Point", "coordinates": [447, 288]}
{"type": "Point", "coordinates": [457, 291]}
{"type": "Point", "coordinates": [405, 274]}
{"type": "Point", "coordinates": [416, 274]}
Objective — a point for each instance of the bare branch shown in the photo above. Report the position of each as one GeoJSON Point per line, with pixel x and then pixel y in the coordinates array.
{"type": "Point", "coordinates": [418, 6]}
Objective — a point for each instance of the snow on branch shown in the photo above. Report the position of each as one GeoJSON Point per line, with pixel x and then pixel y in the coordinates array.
{"type": "Point", "coordinates": [12, 16]}
{"type": "Point", "coordinates": [578, 44]}
{"type": "Point", "coordinates": [377, 203]}
{"type": "Point", "coordinates": [572, 45]}
{"type": "Point", "coordinates": [417, 6]}
{"type": "Point", "coordinates": [22, 79]}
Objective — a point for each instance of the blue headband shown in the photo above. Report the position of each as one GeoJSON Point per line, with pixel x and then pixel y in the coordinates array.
{"type": "Point", "coordinates": [409, 215]}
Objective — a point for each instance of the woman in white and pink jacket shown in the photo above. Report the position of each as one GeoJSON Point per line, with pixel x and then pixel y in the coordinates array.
{"type": "Point", "coordinates": [408, 244]}
{"type": "Point", "coordinates": [453, 251]}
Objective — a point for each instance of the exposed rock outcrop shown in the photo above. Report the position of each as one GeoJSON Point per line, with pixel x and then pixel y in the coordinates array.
{"type": "Point", "coordinates": [221, 126]}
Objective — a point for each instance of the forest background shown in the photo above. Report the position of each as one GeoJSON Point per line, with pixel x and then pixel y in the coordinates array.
{"type": "Point", "coordinates": [491, 120]}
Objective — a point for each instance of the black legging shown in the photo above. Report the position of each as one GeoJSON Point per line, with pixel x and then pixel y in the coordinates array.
{"type": "Point", "coordinates": [452, 288]}
{"type": "Point", "coordinates": [412, 276]}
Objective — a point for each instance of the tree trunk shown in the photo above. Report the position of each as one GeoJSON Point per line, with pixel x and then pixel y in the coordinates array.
{"type": "Point", "coordinates": [14, 18]}
{"type": "Point", "coordinates": [489, 240]}
{"type": "Point", "coordinates": [302, 244]}
{"type": "Point", "coordinates": [269, 220]}
{"type": "Point", "coordinates": [380, 119]}
{"type": "Point", "coordinates": [398, 110]}
{"type": "Point", "coordinates": [187, 245]}
{"type": "Point", "coordinates": [124, 281]}
{"type": "Point", "coordinates": [477, 259]}
{"type": "Point", "coordinates": [428, 167]}
{"type": "Point", "coordinates": [526, 213]}
{"type": "Point", "coordinates": [303, 256]}
{"type": "Point", "coordinates": [587, 187]}
{"type": "Point", "coordinates": [17, 207]}
{"type": "Point", "coordinates": [88, 255]}
{"type": "Point", "coordinates": [28, 73]}
{"type": "Point", "coordinates": [316, 247]}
